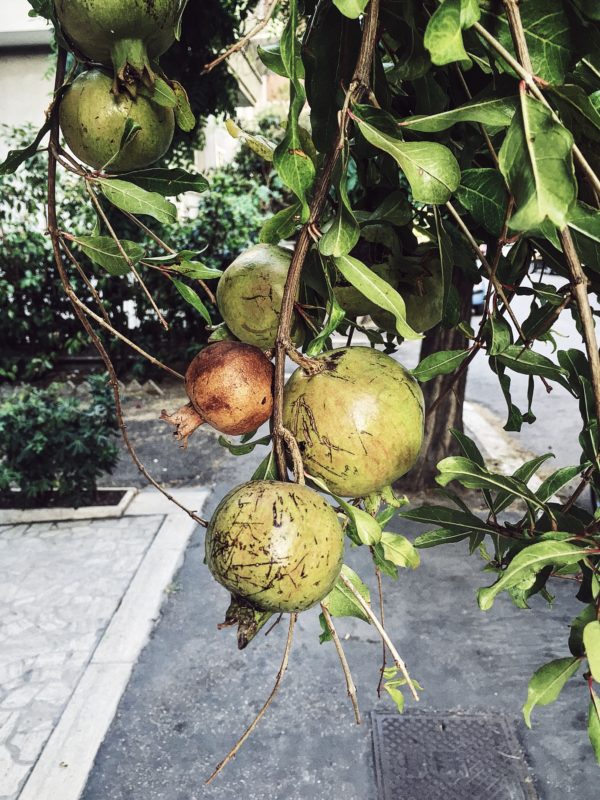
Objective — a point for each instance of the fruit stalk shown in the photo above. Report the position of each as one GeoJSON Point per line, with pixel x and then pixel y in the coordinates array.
{"type": "Point", "coordinates": [358, 85]}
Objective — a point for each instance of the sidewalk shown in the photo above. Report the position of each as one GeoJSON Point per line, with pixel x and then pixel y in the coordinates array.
{"type": "Point", "coordinates": [191, 693]}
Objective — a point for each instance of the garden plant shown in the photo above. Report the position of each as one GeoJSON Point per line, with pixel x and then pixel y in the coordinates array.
{"type": "Point", "coordinates": [446, 141]}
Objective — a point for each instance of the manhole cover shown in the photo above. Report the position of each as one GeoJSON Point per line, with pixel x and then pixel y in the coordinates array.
{"type": "Point", "coordinates": [431, 756]}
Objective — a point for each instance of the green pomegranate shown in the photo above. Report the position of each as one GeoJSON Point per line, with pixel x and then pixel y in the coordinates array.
{"type": "Point", "coordinates": [250, 292]}
{"type": "Point", "coordinates": [92, 120]}
{"type": "Point", "coordinates": [276, 545]}
{"type": "Point", "coordinates": [358, 422]}
{"type": "Point", "coordinates": [127, 34]}
{"type": "Point", "coordinates": [354, 303]}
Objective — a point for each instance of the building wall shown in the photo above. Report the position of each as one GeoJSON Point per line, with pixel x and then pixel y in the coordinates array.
{"type": "Point", "coordinates": [25, 91]}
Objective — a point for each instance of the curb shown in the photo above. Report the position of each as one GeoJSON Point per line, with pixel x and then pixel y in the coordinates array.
{"type": "Point", "coordinates": [63, 767]}
{"type": "Point", "coordinates": [18, 516]}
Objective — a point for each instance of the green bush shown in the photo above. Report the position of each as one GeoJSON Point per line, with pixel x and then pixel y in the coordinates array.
{"type": "Point", "coordinates": [55, 448]}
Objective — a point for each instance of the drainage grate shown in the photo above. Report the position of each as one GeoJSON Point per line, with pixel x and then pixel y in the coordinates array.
{"type": "Point", "coordinates": [449, 756]}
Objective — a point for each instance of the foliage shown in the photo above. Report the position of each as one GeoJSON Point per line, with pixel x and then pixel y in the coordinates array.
{"type": "Point", "coordinates": [468, 132]}
{"type": "Point", "coordinates": [54, 448]}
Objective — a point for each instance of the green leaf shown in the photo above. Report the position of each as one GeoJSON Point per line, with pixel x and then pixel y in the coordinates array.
{"type": "Point", "coordinates": [546, 684]}
{"type": "Point", "coordinates": [490, 111]}
{"type": "Point", "coordinates": [168, 182]}
{"type": "Point", "coordinates": [344, 232]}
{"type": "Point", "coordinates": [501, 335]}
{"type": "Point", "coordinates": [527, 562]}
{"type": "Point", "coordinates": [440, 536]}
{"type": "Point", "coordinates": [293, 164]}
{"type": "Point", "coordinates": [197, 270]}
{"type": "Point", "coordinates": [132, 198]}
{"type": "Point", "coordinates": [15, 158]}
{"type": "Point", "coordinates": [536, 161]}
{"type": "Point", "coordinates": [591, 642]}
{"type": "Point", "coordinates": [258, 144]}
{"type": "Point", "coordinates": [556, 481]}
{"type": "Point", "coordinates": [266, 470]}
{"type": "Point", "coordinates": [394, 208]}
{"type": "Point", "coordinates": [585, 220]}
{"type": "Point", "coordinates": [457, 524]}
{"type": "Point", "coordinates": [270, 55]}
{"type": "Point", "coordinates": [351, 8]}
{"type": "Point", "coordinates": [443, 35]}
{"type": "Point", "coordinates": [396, 695]}
{"type": "Point", "coordinates": [430, 168]}
{"type": "Point", "coordinates": [378, 291]}
{"type": "Point", "coordinates": [191, 297]}
{"type": "Point", "coordinates": [482, 193]}
{"type": "Point", "coordinates": [399, 550]}
{"type": "Point", "coordinates": [281, 225]}
{"type": "Point", "coordinates": [577, 627]}
{"type": "Point", "coordinates": [547, 33]}
{"type": "Point", "coordinates": [524, 473]}
{"type": "Point", "coordinates": [577, 111]}
{"type": "Point", "coordinates": [336, 315]}
{"type": "Point", "coordinates": [340, 602]}
{"type": "Point", "coordinates": [243, 448]}
{"type": "Point", "coordinates": [184, 116]}
{"type": "Point", "coordinates": [528, 362]}
{"type": "Point", "coordinates": [103, 250]}
{"type": "Point", "coordinates": [594, 724]}
{"type": "Point", "coordinates": [441, 363]}
{"type": "Point", "coordinates": [364, 528]}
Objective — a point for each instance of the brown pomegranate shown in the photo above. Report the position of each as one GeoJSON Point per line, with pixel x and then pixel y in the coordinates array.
{"type": "Point", "coordinates": [229, 387]}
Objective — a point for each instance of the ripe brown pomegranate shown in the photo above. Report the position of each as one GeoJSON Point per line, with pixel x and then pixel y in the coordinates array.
{"type": "Point", "coordinates": [358, 422]}
{"type": "Point", "coordinates": [277, 545]}
{"type": "Point", "coordinates": [229, 387]}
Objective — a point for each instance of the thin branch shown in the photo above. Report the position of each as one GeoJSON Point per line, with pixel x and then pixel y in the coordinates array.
{"type": "Point", "coordinates": [85, 279]}
{"type": "Point", "coordinates": [382, 632]}
{"type": "Point", "coordinates": [261, 713]}
{"type": "Point", "coordinates": [123, 252]}
{"type": "Point", "coordinates": [529, 79]}
{"type": "Point", "coordinates": [382, 615]}
{"type": "Point", "coordinates": [239, 45]}
{"type": "Point", "coordinates": [294, 451]}
{"type": "Point", "coordinates": [350, 685]}
{"type": "Point", "coordinates": [79, 307]}
{"type": "Point", "coordinates": [284, 346]}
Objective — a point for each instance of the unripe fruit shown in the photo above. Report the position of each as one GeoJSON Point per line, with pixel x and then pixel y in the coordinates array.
{"type": "Point", "coordinates": [277, 545]}
{"type": "Point", "coordinates": [250, 291]}
{"type": "Point", "coordinates": [358, 422]}
{"type": "Point", "coordinates": [127, 34]}
{"type": "Point", "coordinates": [229, 385]}
{"type": "Point", "coordinates": [92, 120]}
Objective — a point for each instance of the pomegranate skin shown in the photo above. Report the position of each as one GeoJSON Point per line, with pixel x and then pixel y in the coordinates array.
{"type": "Point", "coordinates": [230, 385]}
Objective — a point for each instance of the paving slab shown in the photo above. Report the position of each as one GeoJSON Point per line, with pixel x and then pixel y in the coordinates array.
{"type": "Point", "coordinates": [192, 693]}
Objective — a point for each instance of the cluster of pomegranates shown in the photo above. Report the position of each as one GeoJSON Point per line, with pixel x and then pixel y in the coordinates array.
{"type": "Point", "coordinates": [358, 423]}
{"type": "Point", "coordinates": [116, 96]}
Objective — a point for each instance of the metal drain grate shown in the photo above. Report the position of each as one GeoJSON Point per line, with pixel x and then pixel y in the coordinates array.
{"type": "Point", "coordinates": [445, 756]}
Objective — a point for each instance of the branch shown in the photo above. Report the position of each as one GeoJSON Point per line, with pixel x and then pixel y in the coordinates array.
{"type": "Point", "coordinates": [350, 685]}
{"type": "Point", "coordinates": [390, 645]}
{"type": "Point", "coordinates": [80, 308]}
{"type": "Point", "coordinates": [244, 40]}
{"type": "Point", "coordinates": [382, 615]}
{"type": "Point", "coordinates": [358, 85]}
{"type": "Point", "coordinates": [529, 79]}
{"type": "Point", "coordinates": [261, 713]}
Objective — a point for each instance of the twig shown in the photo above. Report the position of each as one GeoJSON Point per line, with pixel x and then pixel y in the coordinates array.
{"type": "Point", "coordinates": [284, 343]}
{"type": "Point", "coordinates": [123, 252]}
{"type": "Point", "coordinates": [79, 308]}
{"type": "Point", "coordinates": [390, 645]}
{"type": "Point", "coordinates": [261, 713]}
{"type": "Point", "coordinates": [85, 279]}
{"type": "Point", "coordinates": [350, 685]}
{"type": "Point", "coordinates": [382, 615]}
{"type": "Point", "coordinates": [528, 77]}
{"type": "Point", "coordinates": [490, 271]}
{"type": "Point", "coordinates": [296, 456]}
{"type": "Point", "coordinates": [239, 45]}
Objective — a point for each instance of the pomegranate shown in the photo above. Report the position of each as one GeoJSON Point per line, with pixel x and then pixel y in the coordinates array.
{"type": "Point", "coordinates": [277, 545]}
{"type": "Point", "coordinates": [229, 387]}
{"type": "Point", "coordinates": [358, 422]}
{"type": "Point", "coordinates": [250, 292]}
{"type": "Point", "coordinates": [127, 34]}
{"type": "Point", "coordinates": [92, 120]}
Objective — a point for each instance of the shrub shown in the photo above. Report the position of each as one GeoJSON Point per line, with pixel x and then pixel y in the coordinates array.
{"type": "Point", "coordinates": [55, 448]}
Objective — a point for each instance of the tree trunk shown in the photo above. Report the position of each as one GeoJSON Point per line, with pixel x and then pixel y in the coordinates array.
{"type": "Point", "coordinates": [437, 441]}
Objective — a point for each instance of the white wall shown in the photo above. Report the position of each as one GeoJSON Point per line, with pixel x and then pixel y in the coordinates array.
{"type": "Point", "coordinates": [14, 16]}
{"type": "Point", "coordinates": [24, 91]}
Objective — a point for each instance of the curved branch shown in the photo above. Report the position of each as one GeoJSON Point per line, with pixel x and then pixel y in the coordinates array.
{"type": "Point", "coordinates": [244, 40]}
{"type": "Point", "coordinates": [358, 85]}
{"type": "Point", "coordinates": [261, 713]}
{"type": "Point", "coordinates": [350, 685]}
